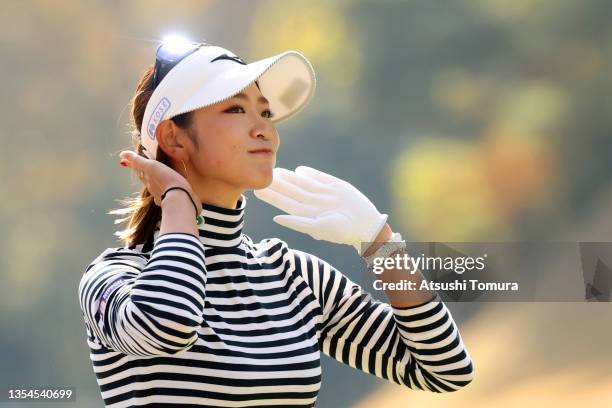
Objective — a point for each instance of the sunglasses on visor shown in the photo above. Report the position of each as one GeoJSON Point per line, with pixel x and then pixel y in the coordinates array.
{"type": "Point", "coordinates": [170, 54]}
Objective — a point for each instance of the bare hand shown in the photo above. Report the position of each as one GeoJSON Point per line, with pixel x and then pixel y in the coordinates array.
{"type": "Point", "coordinates": [156, 176]}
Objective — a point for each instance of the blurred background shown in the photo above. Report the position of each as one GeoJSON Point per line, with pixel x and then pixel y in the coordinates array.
{"type": "Point", "coordinates": [475, 120]}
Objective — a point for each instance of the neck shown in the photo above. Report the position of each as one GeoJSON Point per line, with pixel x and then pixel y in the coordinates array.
{"type": "Point", "coordinates": [222, 226]}
{"type": "Point", "coordinates": [217, 193]}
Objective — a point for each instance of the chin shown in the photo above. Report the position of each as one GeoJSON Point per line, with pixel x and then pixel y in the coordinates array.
{"type": "Point", "coordinates": [258, 183]}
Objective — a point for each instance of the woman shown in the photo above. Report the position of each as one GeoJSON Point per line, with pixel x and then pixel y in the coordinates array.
{"type": "Point", "coordinates": [191, 311]}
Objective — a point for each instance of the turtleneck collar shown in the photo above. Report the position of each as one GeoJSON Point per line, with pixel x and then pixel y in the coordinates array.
{"type": "Point", "coordinates": [222, 227]}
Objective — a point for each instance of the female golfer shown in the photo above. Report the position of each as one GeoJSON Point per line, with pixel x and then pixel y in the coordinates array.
{"type": "Point", "coordinates": [192, 312]}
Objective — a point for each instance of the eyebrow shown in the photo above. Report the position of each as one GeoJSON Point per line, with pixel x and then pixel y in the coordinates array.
{"type": "Point", "coordinates": [242, 95]}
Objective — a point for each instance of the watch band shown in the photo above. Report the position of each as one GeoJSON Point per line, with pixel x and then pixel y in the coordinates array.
{"type": "Point", "coordinates": [394, 244]}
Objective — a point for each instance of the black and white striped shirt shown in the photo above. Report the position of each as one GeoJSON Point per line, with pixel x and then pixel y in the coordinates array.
{"type": "Point", "coordinates": [221, 321]}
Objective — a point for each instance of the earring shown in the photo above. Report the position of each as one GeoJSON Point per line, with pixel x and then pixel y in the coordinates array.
{"type": "Point", "coordinates": [199, 218]}
{"type": "Point", "coordinates": [185, 167]}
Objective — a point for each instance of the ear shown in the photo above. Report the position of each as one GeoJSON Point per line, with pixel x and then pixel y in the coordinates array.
{"type": "Point", "coordinates": [166, 134]}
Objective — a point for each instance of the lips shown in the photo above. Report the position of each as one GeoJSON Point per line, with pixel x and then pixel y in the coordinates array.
{"type": "Point", "coordinates": [269, 151]}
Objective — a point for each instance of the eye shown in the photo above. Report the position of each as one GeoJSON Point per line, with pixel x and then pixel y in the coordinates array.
{"type": "Point", "coordinates": [239, 109]}
{"type": "Point", "coordinates": [234, 108]}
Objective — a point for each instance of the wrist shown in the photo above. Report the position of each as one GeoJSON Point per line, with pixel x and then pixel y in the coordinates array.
{"type": "Point", "coordinates": [383, 236]}
{"type": "Point", "coordinates": [182, 196]}
{"type": "Point", "coordinates": [177, 213]}
{"type": "Point", "coordinates": [383, 250]}
{"type": "Point", "coordinates": [176, 197]}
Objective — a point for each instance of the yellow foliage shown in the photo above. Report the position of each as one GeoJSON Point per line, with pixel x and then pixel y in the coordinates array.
{"type": "Point", "coordinates": [453, 190]}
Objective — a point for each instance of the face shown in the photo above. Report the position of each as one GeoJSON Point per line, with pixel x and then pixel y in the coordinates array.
{"type": "Point", "coordinates": [227, 133]}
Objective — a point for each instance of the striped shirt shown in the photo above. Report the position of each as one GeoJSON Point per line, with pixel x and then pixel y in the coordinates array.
{"type": "Point", "coordinates": [220, 321]}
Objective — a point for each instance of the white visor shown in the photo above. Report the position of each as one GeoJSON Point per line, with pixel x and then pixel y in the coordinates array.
{"type": "Point", "coordinates": [213, 74]}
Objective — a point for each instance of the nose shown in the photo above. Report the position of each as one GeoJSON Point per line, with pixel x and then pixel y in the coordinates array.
{"type": "Point", "coordinates": [263, 129]}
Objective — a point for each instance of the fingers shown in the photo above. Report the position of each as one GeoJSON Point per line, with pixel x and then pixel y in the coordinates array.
{"type": "Point", "coordinates": [136, 163]}
{"type": "Point", "coordinates": [142, 167]}
{"type": "Point", "coordinates": [127, 158]}
{"type": "Point", "coordinates": [300, 224]}
{"type": "Point", "coordinates": [286, 186]}
{"type": "Point", "coordinates": [316, 174]}
{"type": "Point", "coordinates": [133, 160]}
{"type": "Point", "coordinates": [316, 227]}
{"type": "Point", "coordinates": [306, 183]}
{"type": "Point", "coordinates": [283, 202]}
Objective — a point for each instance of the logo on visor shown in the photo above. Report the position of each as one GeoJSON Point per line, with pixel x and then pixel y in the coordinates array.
{"type": "Point", "coordinates": [230, 58]}
{"type": "Point", "coordinates": [157, 116]}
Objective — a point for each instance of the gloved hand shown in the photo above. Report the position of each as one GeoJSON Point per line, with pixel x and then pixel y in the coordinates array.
{"type": "Point", "coordinates": [323, 206]}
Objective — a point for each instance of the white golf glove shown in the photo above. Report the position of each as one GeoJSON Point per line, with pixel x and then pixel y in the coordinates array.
{"type": "Point", "coordinates": [323, 206]}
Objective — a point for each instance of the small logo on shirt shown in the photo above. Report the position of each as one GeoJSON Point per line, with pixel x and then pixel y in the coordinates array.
{"type": "Point", "coordinates": [157, 116]}
{"type": "Point", "coordinates": [109, 289]}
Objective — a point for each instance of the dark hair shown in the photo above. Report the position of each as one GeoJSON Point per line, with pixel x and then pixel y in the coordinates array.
{"type": "Point", "coordinates": [142, 212]}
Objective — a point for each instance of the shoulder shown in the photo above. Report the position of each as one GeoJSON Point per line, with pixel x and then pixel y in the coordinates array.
{"type": "Point", "coordinates": [267, 246]}
{"type": "Point", "coordinates": [130, 260]}
{"type": "Point", "coordinates": [129, 255]}
{"type": "Point", "coordinates": [299, 259]}
{"type": "Point", "coordinates": [273, 248]}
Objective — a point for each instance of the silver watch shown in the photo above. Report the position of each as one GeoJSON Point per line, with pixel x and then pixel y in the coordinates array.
{"type": "Point", "coordinates": [394, 244]}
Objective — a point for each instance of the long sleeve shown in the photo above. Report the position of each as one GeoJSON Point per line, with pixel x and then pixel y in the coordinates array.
{"type": "Point", "coordinates": [146, 307]}
{"type": "Point", "coordinates": [418, 347]}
